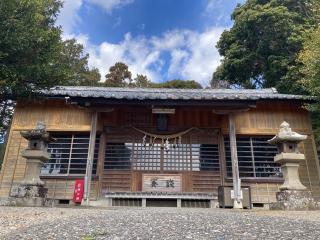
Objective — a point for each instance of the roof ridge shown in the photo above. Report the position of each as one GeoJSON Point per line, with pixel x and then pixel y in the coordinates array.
{"type": "Point", "coordinates": [172, 94]}
{"type": "Point", "coordinates": [127, 89]}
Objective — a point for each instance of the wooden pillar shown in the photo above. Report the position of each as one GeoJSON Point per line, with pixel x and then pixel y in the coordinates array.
{"type": "Point", "coordinates": [100, 163]}
{"type": "Point", "coordinates": [237, 196]}
{"type": "Point", "coordinates": [222, 157]}
{"type": "Point", "coordinates": [92, 141]}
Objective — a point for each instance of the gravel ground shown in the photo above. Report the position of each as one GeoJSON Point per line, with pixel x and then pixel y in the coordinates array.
{"type": "Point", "coordinates": [155, 223]}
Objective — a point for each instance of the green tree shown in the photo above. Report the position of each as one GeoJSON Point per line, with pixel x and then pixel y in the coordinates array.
{"type": "Point", "coordinates": [33, 56]}
{"type": "Point", "coordinates": [142, 81]}
{"type": "Point", "coordinates": [264, 42]}
{"type": "Point", "coordinates": [75, 64]}
{"type": "Point", "coordinates": [309, 58]}
{"type": "Point", "coordinates": [6, 111]}
{"type": "Point", "coordinates": [118, 76]}
{"type": "Point", "coordinates": [178, 83]}
{"type": "Point", "coordinates": [29, 52]}
{"type": "Point", "coordinates": [30, 46]}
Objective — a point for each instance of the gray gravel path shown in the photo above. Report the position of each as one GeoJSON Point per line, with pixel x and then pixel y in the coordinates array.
{"type": "Point", "coordinates": [160, 223]}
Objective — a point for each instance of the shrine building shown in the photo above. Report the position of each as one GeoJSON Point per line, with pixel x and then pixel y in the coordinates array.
{"type": "Point", "coordinates": [139, 147]}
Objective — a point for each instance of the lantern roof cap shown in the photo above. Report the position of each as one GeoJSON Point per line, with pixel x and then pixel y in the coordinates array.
{"type": "Point", "coordinates": [286, 134]}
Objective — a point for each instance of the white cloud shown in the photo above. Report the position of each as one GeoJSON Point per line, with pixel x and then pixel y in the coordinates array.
{"type": "Point", "coordinates": [218, 11]}
{"type": "Point", "coordinates": [177, 53]}
{"type": "Point", "coordinates": [68, 16]}
{"type": "Point", "coordinates": [110, 5]}
{"type": "Point", "coordinates": [204, 57]}
{"type": "Point", "coordinates": [192, 55]}
{"type": "Point", "coordinates": [130, 51]}
{"type": "Point", "coordinates": [178, 58]}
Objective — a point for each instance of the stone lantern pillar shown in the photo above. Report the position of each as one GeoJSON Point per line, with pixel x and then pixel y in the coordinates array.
{"type": "Point", "coordinates": [293, 194]}
{"type": "Point", "coordinates": [31, 191]}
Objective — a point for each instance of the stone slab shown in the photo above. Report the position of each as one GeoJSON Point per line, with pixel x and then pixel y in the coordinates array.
{"type": "Point", "coordinates": [295, 200]}
{"type": "Point", "coordinates": [28, 195]}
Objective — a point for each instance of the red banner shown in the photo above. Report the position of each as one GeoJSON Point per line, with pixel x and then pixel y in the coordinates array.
{"type": "Point", "coordinates": [78, 191]}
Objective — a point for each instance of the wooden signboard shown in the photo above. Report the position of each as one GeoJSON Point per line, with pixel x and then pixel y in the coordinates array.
{"type": "Point", "coordinates": [161, 182]}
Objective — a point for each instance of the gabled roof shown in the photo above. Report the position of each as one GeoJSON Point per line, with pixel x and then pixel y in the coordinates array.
{"type": "Point", "coordinates": [171, 94]}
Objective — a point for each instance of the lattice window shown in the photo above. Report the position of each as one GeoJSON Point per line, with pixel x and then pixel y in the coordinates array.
{"type": "Point", "coordinates": [255, 157]}
{"type": "Point", "coordinates": [178, 158]}
{"type": "Point", "coordinates": [147, 157]}
{"type": "Point", "coordinates": [69, 155]}
{"type": "Point", "coordinates": [192, 157]}
{"type": "Point", "coordinates": [184, 157]}
{"type": "Point", "coordinates": [118, 156]}
{"type": "Point", "coordinates": [205, 157]}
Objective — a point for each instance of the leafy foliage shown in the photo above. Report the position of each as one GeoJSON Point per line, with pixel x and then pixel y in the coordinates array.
{"type": "Point", "coordinates": [142, 81]}
{"type": "Point", "coordinates": [118, 76]}
{"type": "Point", "coordinates": [310, 59]}
{"type": "Point", "coordinates": [310, 73]}
{"type": "Point", "coordinates": [6, 111]}
{"type": "Point", "coordinates": [264, 42]}
{"type": "Point", "coordinates": [177, 83]}
{"type": "Point", "coordinates": [33, 56]}
{"type": "Point", "coordinates": [75, 65]}
{"type": "Point", "coordinates": [29, 46]}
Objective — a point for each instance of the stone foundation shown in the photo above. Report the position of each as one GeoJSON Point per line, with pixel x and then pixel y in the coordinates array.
{"type": "Point", "coordinates": [295, 200]}
{"type": "Point", "coordinates": [28, 195]}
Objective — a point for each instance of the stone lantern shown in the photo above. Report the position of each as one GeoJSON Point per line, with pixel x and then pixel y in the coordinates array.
{"type": "Point", "coordinates": [293, 194]}
{"type": "Point", "coordinates": [289, 156]}
{"type": "Point", "coordinates": [31, 191]}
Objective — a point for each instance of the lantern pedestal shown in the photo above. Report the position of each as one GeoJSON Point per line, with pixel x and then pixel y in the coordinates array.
{"type": "Point", "coordinates": [289, 167]}
{"type": "Point", "coordinates": [35, 159]}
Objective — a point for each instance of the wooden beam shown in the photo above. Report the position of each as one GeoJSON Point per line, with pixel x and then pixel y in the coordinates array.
{"type": "Point", "coordinates": [102, 109]}
{"type": "Point", "coordinates": [103, 102]}
{"type": "Point", "coordinates": [92, 141]}
{"type": "Point", "coordinates": [232, 111]}
{"type": "Point", "coordinates": [235, 167]}
{"type": "Point", "coordinates": [163, 110]}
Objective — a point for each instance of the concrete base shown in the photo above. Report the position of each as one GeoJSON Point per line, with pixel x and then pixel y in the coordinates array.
{"type": "Point", "coordinates": [144, 202]}
{"type": "Point", "coordinates": [237, 205]}
{"type": "Point", "coordinates": [29, 195]}
{"type": "Point", "coordinates": [294, 200]}
{"type": "Point", "coordinates": [99, 203]}
{"type": "Point", "coordinates": [214, 204]}
{"type": "Point", "coordinates": [107, 202]}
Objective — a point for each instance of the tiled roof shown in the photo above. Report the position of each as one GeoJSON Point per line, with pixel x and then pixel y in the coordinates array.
{"type": "Point", "coordinates": [172, 94]}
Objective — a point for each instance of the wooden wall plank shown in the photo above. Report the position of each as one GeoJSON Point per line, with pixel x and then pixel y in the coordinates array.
{"type": "Point", "coordinates": [56, 117]}
{"type": "Point", "coordinates": [10, 163]}
{"type": "Point", "coordinates": [312, 167]}
{"type": "Point", "coordinates": [60, 189]}
{"type": "Point", "coordinates": [266, 119]}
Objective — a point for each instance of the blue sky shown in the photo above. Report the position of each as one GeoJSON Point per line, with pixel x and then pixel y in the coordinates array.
{"type": "Point", "coordinates": [163, 39]}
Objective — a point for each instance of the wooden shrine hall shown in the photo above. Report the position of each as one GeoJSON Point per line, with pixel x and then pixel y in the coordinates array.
{"type": "Point", "coordinates": [146, 146]}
